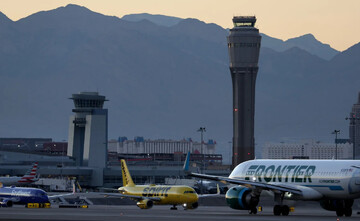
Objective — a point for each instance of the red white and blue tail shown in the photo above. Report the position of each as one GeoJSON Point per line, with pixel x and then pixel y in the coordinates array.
{"type": "Point", "coordinates": [30, 175]}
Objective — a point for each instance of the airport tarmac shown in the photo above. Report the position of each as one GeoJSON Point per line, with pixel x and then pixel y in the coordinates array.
{"type": "Point", "coordinates": [127, 212]}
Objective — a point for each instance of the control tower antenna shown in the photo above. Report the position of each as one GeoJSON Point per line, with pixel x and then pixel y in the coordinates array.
{"type": "Point", "coordinates": [244, 47]}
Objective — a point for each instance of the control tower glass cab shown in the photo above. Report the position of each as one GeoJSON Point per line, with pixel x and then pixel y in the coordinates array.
{"type": "Point", "coordinates": [85, 103]}
{"type": "Point", "coordinates": [244, 47]}
{"type": "Point", "coordinates": [88, 130]}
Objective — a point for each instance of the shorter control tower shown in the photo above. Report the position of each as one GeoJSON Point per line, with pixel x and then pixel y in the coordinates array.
{"type": "Point", "coordinates": [88, 133]}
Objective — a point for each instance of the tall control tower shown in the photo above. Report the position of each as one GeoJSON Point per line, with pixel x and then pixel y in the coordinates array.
{"type": "Point", "coordinates": [244, 47]}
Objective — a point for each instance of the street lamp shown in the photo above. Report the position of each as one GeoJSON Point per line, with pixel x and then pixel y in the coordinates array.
{"type": "Point", "coordinates": [336, 132]}
{"type": "Point", "coordinates": [202, 130]}
{"type": "Point", "coordinates": [353, 120]}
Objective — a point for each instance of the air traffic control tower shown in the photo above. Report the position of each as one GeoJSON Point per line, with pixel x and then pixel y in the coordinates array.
{"type": "Point", "coordinates": [88, 131]}
{"type": "Point", "coordinates": [244, 47]}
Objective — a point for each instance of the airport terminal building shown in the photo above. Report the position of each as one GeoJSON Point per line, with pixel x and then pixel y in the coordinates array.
{"type": "Point", "coordinates": [307, 150]}
{"type": "Point", "coordinates": [154, 165]}
{"type": "Point", "coordinates": [89, 157]}
{"type": "Point", "coordinates": [149, 167]}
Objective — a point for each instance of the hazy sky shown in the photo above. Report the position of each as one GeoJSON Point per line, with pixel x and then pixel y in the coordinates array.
{"type": "Point", "coordinates": [334, 22]}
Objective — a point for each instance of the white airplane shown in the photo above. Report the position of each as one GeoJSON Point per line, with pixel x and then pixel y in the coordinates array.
{"type": "Point", "coordinates": [28, 178]}
{"type": "Point", "coordinates": [334, 183]}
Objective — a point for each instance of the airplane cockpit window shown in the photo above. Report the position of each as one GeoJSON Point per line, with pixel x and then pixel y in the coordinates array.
{"type": "Point", "coordinates": [190, 191]}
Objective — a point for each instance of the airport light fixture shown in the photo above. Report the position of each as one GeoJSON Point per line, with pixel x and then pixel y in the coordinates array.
{"type": "Point", "coordinates": [336, 132]}
{"type": "Point", "coordinates": [353, 119]}
{"type": "Point", "coordinates": [202, 130]}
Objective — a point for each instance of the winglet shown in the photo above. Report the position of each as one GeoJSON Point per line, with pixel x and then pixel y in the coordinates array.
{"type": "Point", "coordinates": [74, 189]}
{"type": "Point", "coordinates": [78, 185]}
{"type": "Point", "coordinates": [218, 189]}
{"type": "Point", "coordinates": [186, 163]}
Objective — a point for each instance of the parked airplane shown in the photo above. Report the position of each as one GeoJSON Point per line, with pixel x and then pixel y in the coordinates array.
{"type": "Point", "coordinates": [24, 195]}
{"type": "Point", "coordinates": [28, 178]}
{"type": "Point", "coordinates": [148, 195]}
{"type": "Point", "coordinates": [334, 183]}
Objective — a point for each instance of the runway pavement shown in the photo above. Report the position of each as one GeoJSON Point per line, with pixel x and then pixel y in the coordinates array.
{"type": "Point", "coordinates": [159, 213]}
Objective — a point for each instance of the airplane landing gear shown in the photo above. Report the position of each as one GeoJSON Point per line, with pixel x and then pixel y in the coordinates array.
{"type": "Point", "coordinates": [173, 207]}
{"type": "Point", "coordinates": [344, 207]}
{"type": "Point", "coordinates": [344, 211]}
{"type": "Point", "coordinates": [281, 210]}
{"type": "Point", "coordinates": [285, 210]}
{"type": "Point", "coordinates": [348, 212]}
{"type": "Point", "coordinates": [253, 210]}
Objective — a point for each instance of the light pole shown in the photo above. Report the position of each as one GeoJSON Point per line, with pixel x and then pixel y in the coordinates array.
{"type": "Point", "coordinates": [202, 130]}
{"type": "Point", "coordinates": [230, 152]}
{"type": "Point", "coordinates": [353, 120]}
{"type": "Point", "coordinates": [336, 132]}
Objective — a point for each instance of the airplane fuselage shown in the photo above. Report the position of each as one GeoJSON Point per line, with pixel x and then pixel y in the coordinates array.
{"type": "Point", "coordinates": [22, 195]}
{"type": "Point", "coordinates": [332, 179]}
{"type": "Point", "coordinates": [171, 195]}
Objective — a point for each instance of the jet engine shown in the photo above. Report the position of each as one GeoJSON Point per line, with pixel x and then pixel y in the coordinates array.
{"type": "Point", "coordinates": [145, 204]}
{"type": "Point", "coordinates": [240, 198]}
{"type": "Point", "coordinates": [6, 203]}
{"type": "Point", "coordinates": [191, 206]}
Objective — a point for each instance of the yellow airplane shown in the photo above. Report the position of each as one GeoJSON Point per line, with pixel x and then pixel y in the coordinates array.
{"type": "Point", "coordinates": [148, 195]}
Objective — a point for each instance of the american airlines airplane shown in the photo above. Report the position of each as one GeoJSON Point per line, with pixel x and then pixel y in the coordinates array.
{"type": "Point", "coordinates": [28, 178]}
{"type": "Point", "coordinates": [334, 183]}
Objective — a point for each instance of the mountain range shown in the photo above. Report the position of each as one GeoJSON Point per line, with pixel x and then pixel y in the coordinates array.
{"type": "Point", "coordinates": [165, 80]}
{"type": "Point", "coordinates": [306, 42]}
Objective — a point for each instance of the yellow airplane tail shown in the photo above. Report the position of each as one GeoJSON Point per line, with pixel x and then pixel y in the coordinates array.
{"type": "Point", "coordinates": [127, 180]}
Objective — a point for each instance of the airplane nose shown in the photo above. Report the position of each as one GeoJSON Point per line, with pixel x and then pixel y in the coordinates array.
{"type": "Point", "coordinates": [194, 197]}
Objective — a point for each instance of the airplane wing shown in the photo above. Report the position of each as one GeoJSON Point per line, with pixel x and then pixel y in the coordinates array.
{"type": "Point", "coordinates": [62, 195]}
{"type": "Point", "coordinates": [134, 197]}
{"type": "Point", "coordinates": [250, 184]}
{"type": "Point", "coordinates": [103, 189]}
{"type": "Point", "coordinates": [13, 199]}
{"type": "Point", "coordinates": [211, 195]}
